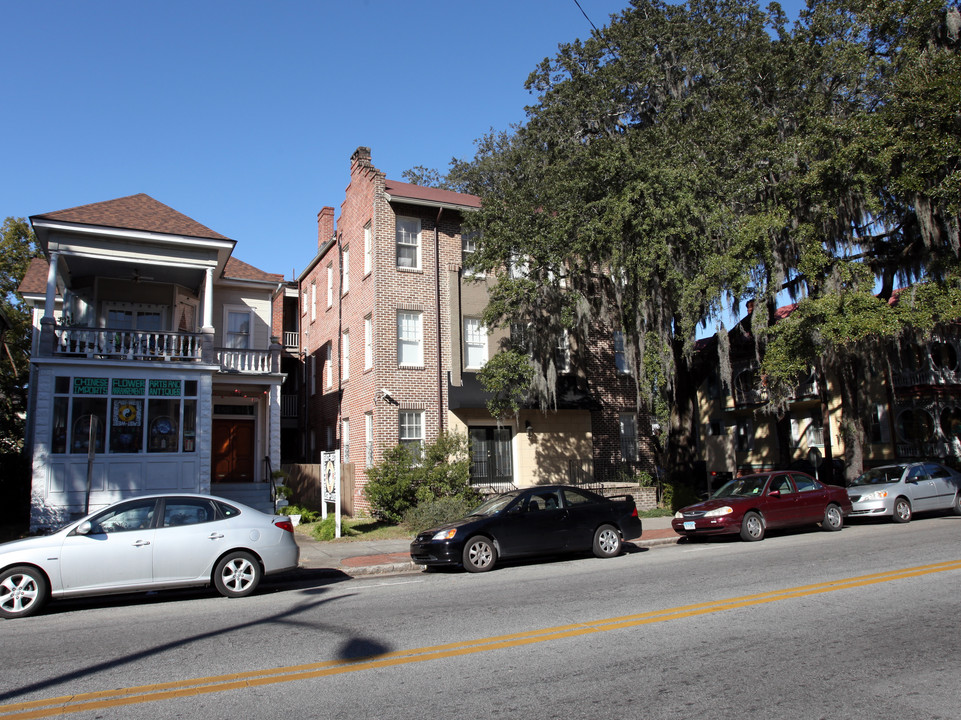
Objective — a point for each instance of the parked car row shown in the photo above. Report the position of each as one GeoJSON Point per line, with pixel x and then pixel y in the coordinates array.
{"type": "Point", "coordinates": [749, 506]}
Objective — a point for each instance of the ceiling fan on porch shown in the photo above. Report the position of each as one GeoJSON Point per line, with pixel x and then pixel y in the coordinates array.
{"type": "Point", "coordinates": [137, 276]}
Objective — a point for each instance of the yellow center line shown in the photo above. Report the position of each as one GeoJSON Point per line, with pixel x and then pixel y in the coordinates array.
{"type": "Point", "coordinates": [85, 702]}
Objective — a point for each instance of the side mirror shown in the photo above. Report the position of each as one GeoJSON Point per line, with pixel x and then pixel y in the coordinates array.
{"type": "Point", "coordinates": [774, 493]}
{"type": "Point", "coordinates": [84, 528]}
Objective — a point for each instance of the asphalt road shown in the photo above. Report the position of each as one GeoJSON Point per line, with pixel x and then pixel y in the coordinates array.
{"type": "Point", "coordinates": [857, 624]}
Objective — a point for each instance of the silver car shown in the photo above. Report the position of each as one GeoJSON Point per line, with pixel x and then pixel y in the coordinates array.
{"type": "Point", "coordinates": [147, 543]}
{"type": "Point", "coordinates": [901, 490]}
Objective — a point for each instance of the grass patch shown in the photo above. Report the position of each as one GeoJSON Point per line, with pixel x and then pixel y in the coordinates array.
{"type": "Point", "coordinates": [352, 529]}
{"type": "Point", "coordinates": [655, 512]}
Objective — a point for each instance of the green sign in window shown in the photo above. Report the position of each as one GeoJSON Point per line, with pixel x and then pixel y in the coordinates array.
{"type": "Point", "coordinates": [168, 388]}
{"type": "Point", "coordinates": [128, 386]}
{"type": "Point", "coordinates": [89, 386]}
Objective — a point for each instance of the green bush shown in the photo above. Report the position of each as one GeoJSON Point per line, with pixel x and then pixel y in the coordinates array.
{"type": "Point", "coordinates": [326, 529]}
{"type": "Point", "coordinates": [404, 480]}
{"type": "Point", "coordinates": [306, 514]}
{"type": "Point", "coordinates": [677, 494]}
{"type": "Point", "coordinates": [437, 512]}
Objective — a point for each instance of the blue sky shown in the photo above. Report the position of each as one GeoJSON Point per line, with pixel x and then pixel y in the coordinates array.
{"type": "Point", "coordinates": [243, 115]}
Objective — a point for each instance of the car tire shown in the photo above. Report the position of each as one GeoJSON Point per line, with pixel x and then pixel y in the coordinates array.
{"type": "Point", "coordinates": [752, 527]}
{"type": "Point", "coordinates": [23, 591]}
{"type": "Point", "coordinates": [607, 542]}
{"type": "Point", "coordinates": [956, 507]}
{"type": "Point", "coordinates": [833, 518]}
{"type": "Point", "coordinates": [237, 574]}
{"type": "Point", "coordinates": [479, 554]}
{"type": "Point", "coordinates": [902, 510]}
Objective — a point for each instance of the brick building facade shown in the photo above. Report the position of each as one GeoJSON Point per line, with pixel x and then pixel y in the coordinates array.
{"type": "Point", "coordinates": [391, 341]}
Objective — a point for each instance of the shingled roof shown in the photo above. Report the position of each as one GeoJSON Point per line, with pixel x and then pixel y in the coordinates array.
{"type": "Point", "coordinates": [434, 196]}
{"type": "Point", "coordinates": [134, 212]}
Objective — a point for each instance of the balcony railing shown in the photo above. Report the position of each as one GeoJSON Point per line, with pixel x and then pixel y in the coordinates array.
{"type": "Point", "coordinates": [910, 378]}
{"type": "Point", "coordinates": [244, 361]}
{"type": "Point", "coordinates": [288, 405]}
{"type": "Point", "coordinates": [291, 340]}
{"type": "Point", "coordinates": [107, 343]}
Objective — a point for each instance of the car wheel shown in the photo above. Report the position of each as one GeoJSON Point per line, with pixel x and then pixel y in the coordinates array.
{"type": "Point", "coordinates": [833, 519]}
{"type": "Point", "coordinates": [607, 542]}
{"type": "Point", "coordinates": [237, 574]}
{"type": "Point", "coordinates": [752, 527]}
{"type": "Point", "coordinates": [479, 554]}
{"type": "Point", "coordinates": [23, 591]}
{"type": "Point", "coordinates": [956, 507]}
{"type": "Point", "coordinates": [902, 510]}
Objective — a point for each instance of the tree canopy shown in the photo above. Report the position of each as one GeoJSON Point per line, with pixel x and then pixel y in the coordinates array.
{"type": "Point", "coordinates": [688, 157]}
{"type": "Point", "coordinates": [17, 246]}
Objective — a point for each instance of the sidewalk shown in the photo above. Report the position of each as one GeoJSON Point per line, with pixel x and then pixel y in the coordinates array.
{"type": "Point", "coordinates": [356, 558]}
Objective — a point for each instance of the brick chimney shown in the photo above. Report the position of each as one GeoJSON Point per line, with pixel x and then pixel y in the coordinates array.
{"type": "Point", "coordinates": [361, 156]}
{"type": "Point", "coordinates": [325, 225]}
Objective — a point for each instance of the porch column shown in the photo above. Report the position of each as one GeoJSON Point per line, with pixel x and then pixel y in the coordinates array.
{"type": "Point", "coordinates": [208, 322]}
{"type": "Point", "coordinates": [48, 333]}
{"type": "Point", "coordinates": [51, 298]}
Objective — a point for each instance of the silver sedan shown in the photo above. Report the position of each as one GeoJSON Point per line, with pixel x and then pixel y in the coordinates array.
{"type": "Point", "coordinates": [899, 491]}
{"type": "Point", "coordinates": [147, 543]}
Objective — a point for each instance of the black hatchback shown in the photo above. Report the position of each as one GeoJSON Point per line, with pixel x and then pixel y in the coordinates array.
{"type": "Point", "coordinates": [542, 520]}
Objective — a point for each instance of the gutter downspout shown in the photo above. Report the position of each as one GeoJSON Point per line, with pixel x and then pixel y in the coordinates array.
{"type": "Point", "coordinates": [441, 410]}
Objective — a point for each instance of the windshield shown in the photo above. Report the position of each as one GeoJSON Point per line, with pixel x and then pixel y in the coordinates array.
{"type": "Point", "coordinates": [881, 475]}
{"type": "Point", "coordinates": [743, 487]}
{"type": "Point", "coordinates": [493, 505]}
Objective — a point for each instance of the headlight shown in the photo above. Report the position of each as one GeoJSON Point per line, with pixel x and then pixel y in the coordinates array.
{"type": "Point", "coordinates": [446, 534]}
{"type": "Point", "coordinates": [876, 495]}
{"type": "Point", "coordinates": [678, 515]}
{"type": "Point", "coordinates": [717, 512]}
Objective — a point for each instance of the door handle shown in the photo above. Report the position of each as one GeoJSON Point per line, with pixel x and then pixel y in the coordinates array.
{"type": "Point", "coordinates": [215, 536]}
{"type": "Point", "coordinates": [141, 543]}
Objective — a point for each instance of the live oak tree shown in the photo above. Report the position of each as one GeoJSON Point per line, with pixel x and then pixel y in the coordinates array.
{"type": "Point", "coordinates": [688, 157]}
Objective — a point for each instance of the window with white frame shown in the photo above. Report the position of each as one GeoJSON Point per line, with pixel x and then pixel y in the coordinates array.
{"type": "Point", "coordinates": [368, 250]}
{"type": "Point", "coordinates": [330, 285]}
{"type": "Point", "coordinates": [519, 266]}
{"type": "Point", "coordinates": [368, 440]}
{"type": "Point", "coordinates": [410, 338]}
{"type": "Point", "coordinates": [368, 343]}
{"type": "Point", "coordinates": [345, 440]}
{"type": "Point", "coordinates": [313, 301]}
{"type": "Point", "coordinates": [345, 345]}
{"type": "Point", "coordinates": [744, 435]}
{"type": "Point", "coordinates": [305, 301]}
{"type": "Point", "coordinates": [329, 366]}
{"type": "Point", "coordinates": [475, 344]}
{"type": "Point", "coordinates": [411, 430]}
{"type": "Point", "coordinates": [628, 422]}
{"type": "Point", "coordinates": [408, 243]}
{"type": "Point", "coordinates": [562, 354]}
{"type": "Point", "coordinates": [238, 328]}
{"type": "Point", "coordinates": [345, 271]}
{"type": "Point", "coordinates": [468, 250]}
{"type": "Point", "coordinates": [620, 357]}
{"type": "Point", "coordinates": [880, 430]}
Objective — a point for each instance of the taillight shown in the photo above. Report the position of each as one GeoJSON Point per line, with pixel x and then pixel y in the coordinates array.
{"type": "Point", "coordinates": [285, 525]}
{"type": "Point", "coordinates": [634, 512]}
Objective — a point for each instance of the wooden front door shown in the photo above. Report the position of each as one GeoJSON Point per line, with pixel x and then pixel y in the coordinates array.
{"type": "Point", "coordinates": [233, 451]}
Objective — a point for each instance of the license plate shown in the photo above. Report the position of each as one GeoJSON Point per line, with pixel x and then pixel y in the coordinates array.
{"type": "Point", "coordinates": [689, 525]}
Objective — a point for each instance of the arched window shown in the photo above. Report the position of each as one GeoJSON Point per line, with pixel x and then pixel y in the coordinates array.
{"type": "Point", "coordinates": [916, 426]}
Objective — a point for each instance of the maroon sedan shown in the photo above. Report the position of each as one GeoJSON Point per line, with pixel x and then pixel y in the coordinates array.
{"type": "Point", "coordinates": [753, 504]}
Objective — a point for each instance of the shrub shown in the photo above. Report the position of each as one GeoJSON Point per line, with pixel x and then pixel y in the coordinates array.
{"type": "Point", "coordinates": [326, 529]}
{"type": "Point", "coordinates": [391, 487]}
{"type": "Point", "coordinates": [403, 480]}
{"type": "Point", "coordinates": [677, 494]}
{"type": "Point", "coordinates": [306, 514]}
{"type": "Point", "coordinates": [432, 513]}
